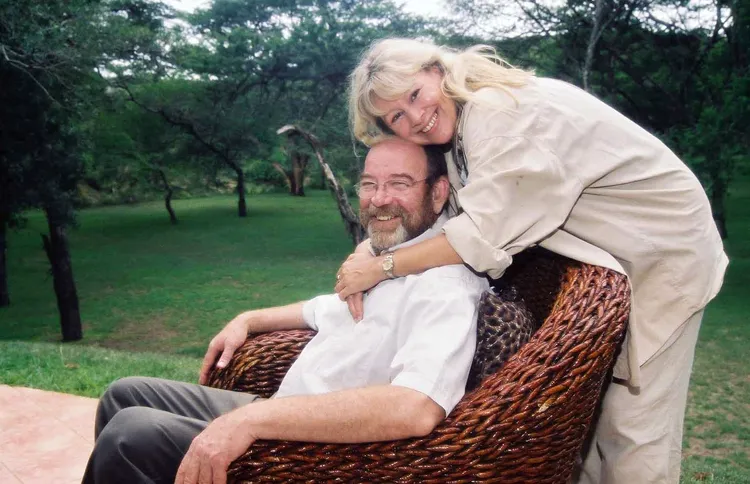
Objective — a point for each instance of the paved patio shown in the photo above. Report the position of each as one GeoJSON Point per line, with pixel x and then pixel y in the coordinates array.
{"type": "Point", "coordinates": [45, 437]}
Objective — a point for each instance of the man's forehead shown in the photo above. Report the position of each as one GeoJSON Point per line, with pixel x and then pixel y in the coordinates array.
{"type": "Point", "coordinates": [396, 159]}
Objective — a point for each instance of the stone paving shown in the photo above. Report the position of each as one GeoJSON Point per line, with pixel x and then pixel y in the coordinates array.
{"type": "Point", "coordinates": [45, 437]}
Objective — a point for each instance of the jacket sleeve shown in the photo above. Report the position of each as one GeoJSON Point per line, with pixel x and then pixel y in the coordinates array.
{"type": "Point", "coordinates": [518, 192]}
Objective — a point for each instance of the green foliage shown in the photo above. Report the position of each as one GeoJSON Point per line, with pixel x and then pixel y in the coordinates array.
{"type": "Point", "coordinates": [43, 70]}
{"type": "Point", "coordinates": [678, 68]}
{"type": "Point", "coordinates": [256, 66]}
{"type": "Point", "coordinates": [263, 172]}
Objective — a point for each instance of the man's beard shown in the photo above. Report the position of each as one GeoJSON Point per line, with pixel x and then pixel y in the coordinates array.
{"type": "Point", "coordinates": [410, 226]}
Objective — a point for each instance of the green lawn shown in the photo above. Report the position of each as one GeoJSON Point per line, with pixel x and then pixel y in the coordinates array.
{"type": "Point", "coordinates": [717, 425]}
{"type": "Point", "coordinates": [152, 295]}
{"type": "Point", "coordinates": [146, 285]}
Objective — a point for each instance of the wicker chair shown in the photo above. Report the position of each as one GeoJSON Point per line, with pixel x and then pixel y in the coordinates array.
{"type": "Point", "coordinates": [524, 424]}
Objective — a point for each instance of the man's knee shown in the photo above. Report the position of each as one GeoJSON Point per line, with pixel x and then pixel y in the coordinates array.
{"type": "Point", "coordinates": [127, 390]}
{"type": "Point", "coordinates": [139, 442]}
{"type": "Point", "coordinates": [119, 395]}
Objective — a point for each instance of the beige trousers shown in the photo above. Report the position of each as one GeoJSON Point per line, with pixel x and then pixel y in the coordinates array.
{"type": "Point", "coordinates": [638, 436]}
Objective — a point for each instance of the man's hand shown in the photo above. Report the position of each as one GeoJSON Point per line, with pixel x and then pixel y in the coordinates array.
{"type": "Point", "coordinates": [211, 452]}
{"type": "Point", "coordinates": [226, 342]}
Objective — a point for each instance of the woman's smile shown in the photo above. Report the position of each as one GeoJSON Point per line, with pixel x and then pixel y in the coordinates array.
{"type": "Point", "coordinates": [431, 123]}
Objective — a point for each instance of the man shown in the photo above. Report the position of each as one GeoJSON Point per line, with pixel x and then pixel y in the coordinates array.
{"type": "Point", "coordinates": [395, 374]}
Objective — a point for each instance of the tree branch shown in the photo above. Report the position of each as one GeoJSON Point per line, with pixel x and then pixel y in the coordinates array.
{"type": "Point", "coordinates": [345, 209]}
{"type": "Point", "coordinates": [23, 68]}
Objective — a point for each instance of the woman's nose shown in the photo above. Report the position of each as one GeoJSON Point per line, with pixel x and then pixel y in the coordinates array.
{"type": "Point", "coordinates": [414, 114]}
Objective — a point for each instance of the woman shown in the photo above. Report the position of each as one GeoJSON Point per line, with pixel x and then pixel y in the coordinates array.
{"type": "Point", "coordinates": [540, 162]}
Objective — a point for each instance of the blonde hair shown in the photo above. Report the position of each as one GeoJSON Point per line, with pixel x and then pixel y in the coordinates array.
{"type": "Point", "coordinates": [387, 69]}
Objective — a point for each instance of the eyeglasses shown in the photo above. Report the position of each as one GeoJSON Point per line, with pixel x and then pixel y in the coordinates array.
{"type": "Point", "coordinates": [393, 188]}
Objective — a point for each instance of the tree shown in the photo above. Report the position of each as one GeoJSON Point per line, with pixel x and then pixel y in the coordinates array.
{"type": "Point", "coordinates": [243, 67]}
{"type": "Point", "coordinates": [134, 154]}
{"type": "Point", "coordinates": [49, 52]}
{"type": "Point", "coordinates": [350, 218]}
{"type": "Point", "coordinates": [45, 55]}
{"type": "Point", "coordinates": [658, 61]}
{"type": "Point", "coordinates": [295, 175]}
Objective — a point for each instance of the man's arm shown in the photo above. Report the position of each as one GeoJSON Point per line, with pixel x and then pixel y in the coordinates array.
{"type": "Point", "coordinates": [371, 414]}
{"type": "Point", "coordinates": [378, 413]}
{"type": "Point", "coordinates": [235, 333]}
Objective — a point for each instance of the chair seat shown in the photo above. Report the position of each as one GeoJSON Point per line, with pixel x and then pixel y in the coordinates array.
{"type": "Point", "coordinates": [524, 424]}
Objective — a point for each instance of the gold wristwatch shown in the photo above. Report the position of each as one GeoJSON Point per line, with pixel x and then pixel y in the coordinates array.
{"type": "Point", "coordinates": [388, 265]}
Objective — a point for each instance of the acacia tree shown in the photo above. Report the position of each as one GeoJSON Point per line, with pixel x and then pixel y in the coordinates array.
{"type": "Point", "coordinates": [49, 52]}
{"type": "Point", "coordinates": [348, 215]}
{"type": "Point", "coordinates": [46, 53]}
{"type": "Point", "coordinates": [133, 152]}
{"type": "Point", "coordinates": [240, 68]}
{"type": "Point", "coordinates": [218, 91]}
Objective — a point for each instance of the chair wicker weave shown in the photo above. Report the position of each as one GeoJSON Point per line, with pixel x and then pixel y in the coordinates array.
{"type": "Point", "coordinates": [524, 424]}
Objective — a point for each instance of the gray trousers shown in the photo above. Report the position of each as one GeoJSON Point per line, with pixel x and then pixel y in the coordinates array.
{"type": "Point", "coordinates": [144, 427]}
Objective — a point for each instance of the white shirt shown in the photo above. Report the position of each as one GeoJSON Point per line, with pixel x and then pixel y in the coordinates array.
{"type": "Point", "coordinates": [418, 332]}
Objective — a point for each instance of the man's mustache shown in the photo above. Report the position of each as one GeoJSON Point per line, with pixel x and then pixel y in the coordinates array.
{"type": "Point", "coordinates": [372, 212]}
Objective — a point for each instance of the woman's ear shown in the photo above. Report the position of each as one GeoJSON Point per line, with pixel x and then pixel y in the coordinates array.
{"type": "Point", "coordinates": [440, 193]}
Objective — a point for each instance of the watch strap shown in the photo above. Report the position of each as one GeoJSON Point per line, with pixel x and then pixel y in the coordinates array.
{"type": "Point", "coordinates": [388, 265]}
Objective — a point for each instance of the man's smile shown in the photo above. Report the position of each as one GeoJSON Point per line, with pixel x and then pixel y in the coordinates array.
{"type": "Point", "coordinates": [385, 222]}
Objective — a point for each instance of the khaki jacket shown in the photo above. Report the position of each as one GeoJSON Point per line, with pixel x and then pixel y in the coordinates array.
{"type": "Point", "coordinates": [548, 164]}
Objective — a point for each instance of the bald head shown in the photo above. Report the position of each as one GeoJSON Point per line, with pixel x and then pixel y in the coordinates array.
{"type": "Point", "coordinates": [392, 149]}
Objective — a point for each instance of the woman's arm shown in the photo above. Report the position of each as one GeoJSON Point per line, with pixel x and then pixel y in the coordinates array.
{"type": "Point", "coordinates": [434, 252]}
{"type": "Point", "coordinates": [361, 272]}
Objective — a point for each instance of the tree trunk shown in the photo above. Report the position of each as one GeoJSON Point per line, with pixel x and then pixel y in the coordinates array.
{"type": "Point", "coordinates": [299, 164]}
{"type": "Point", "coordinates": [167, 196]}
{"type": "Point", "coordinates": [296, 176]}
{"type": "Point", "coordinates": [351, 220]}
{"type": "Point", "coordinates": [718, 192]}
{"type": "Point", "coordinates": [168, 205]}
{"type": "Point", "coordinates": [242, 204]}
{"type": "Point", "coordinates": [56, 247]}
{"type": "Point", "coordinates": [4, 293]}
{"type": "Point", "coordinates": [290, 180]}
{"type": "Point", "coordinates": [596, 31]}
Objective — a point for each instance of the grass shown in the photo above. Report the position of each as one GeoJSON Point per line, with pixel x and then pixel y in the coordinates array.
{"type": "Point", "coordinates": [717, 425]}
{"type": "Point", "coordinates": [145, 285]}
{"type": "Point", "coordinates": [152, 295]}
{"type": "Point", "coordinates": [84, 370]}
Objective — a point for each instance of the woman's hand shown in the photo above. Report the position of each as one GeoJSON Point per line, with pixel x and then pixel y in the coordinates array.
{"type": "Point", "coordinates": [355, 302]}
{"type": "Point", "coordinates": [358, 273]}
